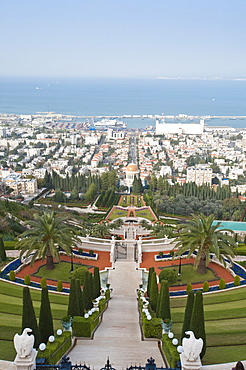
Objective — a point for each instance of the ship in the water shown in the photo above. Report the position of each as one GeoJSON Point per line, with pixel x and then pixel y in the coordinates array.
{"type": "Point", "coordinates": [108, 122]}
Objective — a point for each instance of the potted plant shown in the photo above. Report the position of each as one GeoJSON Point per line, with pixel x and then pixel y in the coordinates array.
{"type": "Point", "coordinates": [166, 325]}
{"type": "Point", "coordinates": [66, 322]}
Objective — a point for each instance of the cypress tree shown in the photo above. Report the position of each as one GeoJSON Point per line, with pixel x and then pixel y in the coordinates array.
{"type": "Point", "coordinates": [2, 251]}
{"type": "Point", "coordinates": [151, 270]}
{"type": "Point", "coordinates": [197, 324]}
{"type": "Point", "coordinates": [96, 283]}
{"type": "Point", "coordinates": [87, 292]}
{"type": "Point", "coordinates": [80, 298]}
{"type": "Point", "coordinates": [153, 292]}
{"type": "Point", "coordinates": [164, 305]}
{"type": "Point", "coordinates": [45, 317]}
{"type": "Point", "coordinates": [73, 302]}
{"type": "Point", "coordinates": [188, 312]}
{"type": "Point", "coordinates": [28, 316]}
{"type": "Point", "coordinates": [91, 288]}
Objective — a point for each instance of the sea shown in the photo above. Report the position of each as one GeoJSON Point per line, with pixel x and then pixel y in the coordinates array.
{"type": "Point", "coordinates": [125, 96]}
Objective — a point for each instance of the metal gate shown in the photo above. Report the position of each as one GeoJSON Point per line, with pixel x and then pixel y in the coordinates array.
{"type": "Point", "coordinates": [120, 250]}
{"type": "Point", "coordinates": [67, 365]}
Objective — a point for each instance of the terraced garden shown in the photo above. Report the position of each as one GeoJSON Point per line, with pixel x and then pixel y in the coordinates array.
{"type": "Point", "coordinates": [225, 322]}
{"type": "Point", "coordinates": [11, 314]}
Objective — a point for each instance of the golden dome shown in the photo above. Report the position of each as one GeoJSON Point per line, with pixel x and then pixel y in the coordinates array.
{"type": "Point", "coordinates": [132, 167]}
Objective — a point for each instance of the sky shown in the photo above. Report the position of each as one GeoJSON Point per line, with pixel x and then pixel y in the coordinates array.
{"type": "Point", "coordinates": [123, 38]}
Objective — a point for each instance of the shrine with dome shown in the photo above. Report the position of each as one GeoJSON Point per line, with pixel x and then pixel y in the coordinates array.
{"type": "Point", "coordinates": [131, 171]}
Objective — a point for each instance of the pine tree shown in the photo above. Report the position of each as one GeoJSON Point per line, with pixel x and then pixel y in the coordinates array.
{"type": "Point", "coordinates": [28, 316]}
{"type": "Point", "coordinates": [153, 292]}
{"type": "Point", "coordinates": [96, 283]}
{"type": "Point", "coordinates": [197, 324]}
{"type": "Point", "coordinates": [2, 251]}
{"type": "Point", "coordinates": [188, 312]}
{"type": "Point", "coordinates": [73, 302]}
{"type": "Point", "coordinates": [45, 317]}
{"type": "Point", "coordinates": [164, 305]}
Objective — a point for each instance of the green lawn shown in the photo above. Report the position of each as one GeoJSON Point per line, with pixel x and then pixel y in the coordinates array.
{"type": "Point", "coordinates": [188, 274]}
{"type": "Point", "coordinates": [62, 271]}
{"type": "Point", "coordinates": [11, 314]}
{"type": "Point", "coordinates": [145, 214]}
{"type": "Point", "coordinates": [131, 200]}
{"type": "Point", "coordinates": [225, 322]}
{"type": "Point", "coordinates": [116, 213]}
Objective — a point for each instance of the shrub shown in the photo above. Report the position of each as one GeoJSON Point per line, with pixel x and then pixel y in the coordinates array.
{"type": "Point", "coordinates": [161, 254]}
{"type": "Point", "coordinates": [83, 327]}
{"type": "Point", "coordinates": [236, 280]}
{"type": "Point", "coordinates": [152, 328]}
{"type": "Point", "coordinates": [79, 273]}
{"type": "Point", "coordinates": [222, 283]}
{"type": "Point", "coordinates": [169, 275]}
{"type": "Point", "coordinates": [27, 279]}
{"type": "Point", "coordinates": [43, 282]}
{"type": "Point", "coordinates": [205, 286]}
{"type": "Point", "coordinates": [170, 351]}
{"type": "Point", "coordinates": [91, 252]}
{"type": "Point", "coordinates": [12, 275]}
{"type": "Point", "coordinates": [188, 287]}
{"type": "Point", "coordinates": [59, 286]}
{"type": "Point", "coordinates": [80, 251]}
{"type": "Point", "coordinates": [54, 351]}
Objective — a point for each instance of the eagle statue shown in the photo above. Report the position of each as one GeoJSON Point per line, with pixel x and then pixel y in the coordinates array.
{"type": "Point", "coordinates": [24, 343]}
{"type": "Point", "coordinates": [192, 347]}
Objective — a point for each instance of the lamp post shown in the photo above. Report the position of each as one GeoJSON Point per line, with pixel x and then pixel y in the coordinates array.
{"type": "Point", "coordinates": [72, 262]}
{"type": "Point", "coordinates": [179, 273]}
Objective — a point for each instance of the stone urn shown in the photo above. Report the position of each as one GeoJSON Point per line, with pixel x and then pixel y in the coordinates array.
{"type": "Point", "coordinates": [66, 322]}
{"type": "Point", "coordinates": [166, 326]}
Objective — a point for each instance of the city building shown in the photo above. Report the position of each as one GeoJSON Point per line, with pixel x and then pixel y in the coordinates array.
{"type": "Point", "coordinates": [199, 175]}
{"type": "Point", "coordinates": [179, 128]}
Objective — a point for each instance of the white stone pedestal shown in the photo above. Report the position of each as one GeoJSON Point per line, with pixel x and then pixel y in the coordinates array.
{"type": "Point", "coordinates": [190, 365]}
{"type": "Point", "coordinates": [26, 363]}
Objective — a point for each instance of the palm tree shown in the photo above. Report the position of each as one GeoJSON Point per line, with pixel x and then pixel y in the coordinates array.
{"type": "Point", "coordinates": [100, 230]}
{"type": "Point", "coordinates": [46, 234]}
{"type": "Point", "coordinates": [204, 237]}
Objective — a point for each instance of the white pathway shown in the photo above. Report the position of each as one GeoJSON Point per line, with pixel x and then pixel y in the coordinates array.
{"type": "Point", "coordinates": [118, 337]}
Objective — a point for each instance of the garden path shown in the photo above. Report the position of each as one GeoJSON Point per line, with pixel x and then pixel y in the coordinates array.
{"type": "Point", "coordinates": [118, 336]}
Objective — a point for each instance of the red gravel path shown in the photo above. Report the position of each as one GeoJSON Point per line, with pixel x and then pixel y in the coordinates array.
{"type": "Point", "coordinates": [102, 262]}
{"type": "Point", "coordinates": [149, 261]}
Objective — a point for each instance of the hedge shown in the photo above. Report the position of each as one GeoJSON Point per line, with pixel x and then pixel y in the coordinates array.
{"type": "Point", "coordinates": [54, 351]}
{"type": "Point", "coordinates": [151, 328]}
{"type": "Point", "coordinates": [170, 351]}
{"type": "Point", "coordinates": [83, 327]}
